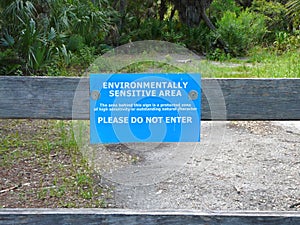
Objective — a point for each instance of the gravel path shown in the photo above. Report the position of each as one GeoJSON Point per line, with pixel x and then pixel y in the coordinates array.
{"type": "Point", "coordinates": [237, 166]}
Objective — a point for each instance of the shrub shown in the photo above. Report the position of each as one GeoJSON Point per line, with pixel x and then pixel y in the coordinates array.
{"type": "Point", "coordinates": [275, 16]}
{"type": "Point", "coordinates": [241, 32]}
{"type": "Point", "coordinates": [218, 54]}
{"type": "Point", "coordinates": [76, 42]}
{"type": "Point", "coordinates": [219, 7]}
{"type": "Point", "coordinates": [195, 38]}
{"type": "Point", "coordinates": [198, 39]}
{"type": "Point", "coordinates": [286, 42]}
{"type": "Point", "coordinates": [38, 31]}
{"type": "Point", "coordinates": [9, 62]}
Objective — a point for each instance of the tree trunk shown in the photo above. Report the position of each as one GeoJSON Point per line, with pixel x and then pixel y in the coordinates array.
{"type": "Point", "coordinates": [192, 11]}
{"type": "Point", "coordinates": [204, 5]}
{"type": "Point", "coordinates": [162, 9]}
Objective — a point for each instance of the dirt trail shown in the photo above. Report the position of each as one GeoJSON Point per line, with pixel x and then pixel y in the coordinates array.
{"type": "Point", "coordinates": [237, 166]}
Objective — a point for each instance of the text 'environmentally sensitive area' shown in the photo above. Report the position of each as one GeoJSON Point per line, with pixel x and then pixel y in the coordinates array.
{"type": "Point", "coordinates": [145, 108]}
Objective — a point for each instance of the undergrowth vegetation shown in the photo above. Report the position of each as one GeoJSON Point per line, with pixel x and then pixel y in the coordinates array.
{"type": "Point", "coordinates": [63, 37]}
{"type": "Point", "coordinates": [36, 35]}
{"type": "Point", "coordinates": [260, 64]}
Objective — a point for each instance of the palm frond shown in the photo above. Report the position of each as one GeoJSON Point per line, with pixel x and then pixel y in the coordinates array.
{"type": "Point", "coordinates": [293, 7]}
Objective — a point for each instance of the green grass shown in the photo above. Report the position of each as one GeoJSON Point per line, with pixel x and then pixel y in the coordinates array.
{"type": "Point", "coordinates": [152, 66]}
{"type": "Point", "coordinates": [259, 65]}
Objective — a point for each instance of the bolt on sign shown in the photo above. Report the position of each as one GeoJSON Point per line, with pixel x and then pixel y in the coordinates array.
{"type": "Point", "coordinates": [154, 107]}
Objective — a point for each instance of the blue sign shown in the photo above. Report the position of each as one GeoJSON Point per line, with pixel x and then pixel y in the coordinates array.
{"type": "Point", "coordinates": [145, 108]}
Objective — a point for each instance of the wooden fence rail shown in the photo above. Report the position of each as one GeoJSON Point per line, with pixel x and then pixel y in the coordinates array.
{"type": "Point", "coordinates": [68, 98]}
{"type": "Point", "coordinates": [131, 217]}
{"type": "Point", "coordinates": [245, 99]}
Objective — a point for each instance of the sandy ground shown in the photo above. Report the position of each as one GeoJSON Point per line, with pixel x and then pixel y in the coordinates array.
{"type": "Point", "coordinates": [236, 166]}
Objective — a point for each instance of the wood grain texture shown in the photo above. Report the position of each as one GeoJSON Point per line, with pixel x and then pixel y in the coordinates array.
{"type": "Point", "coordinates": [132, 217]}
{"type": "Point", "coordinates": [222, 99]}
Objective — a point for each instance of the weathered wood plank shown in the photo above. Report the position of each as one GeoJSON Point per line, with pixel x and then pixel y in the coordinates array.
{"type": "Point", "coordinates": [32, 97]}
{"type": "Point", "coordinates": [261, 99]}
{"type": "Point", "coordinates": [222, 99]}
{"type": "Point", "coordinates": [126, 216]}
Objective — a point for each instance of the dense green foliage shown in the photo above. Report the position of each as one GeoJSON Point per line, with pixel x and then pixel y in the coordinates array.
{"type": "Point", "coordinates": [59, 37]}
{"type": "Point", "coordinates": [38, 33]}
{"type": "Point", "coordinates": [275, 16]}
{"type": "Point", "coordinates": [241, 32]}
